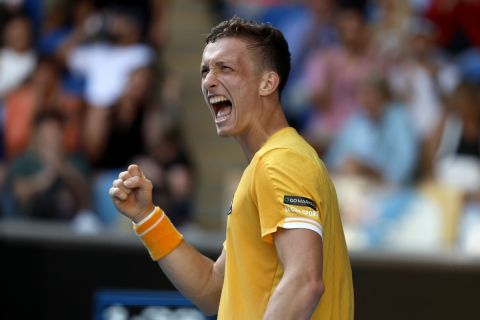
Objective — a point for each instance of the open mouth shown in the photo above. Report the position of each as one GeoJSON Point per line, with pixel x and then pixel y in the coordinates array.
{"type": "Point", "coordinates": [222, 107]}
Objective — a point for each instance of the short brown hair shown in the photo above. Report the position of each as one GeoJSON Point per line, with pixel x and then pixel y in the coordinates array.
{"type": "Point", "coordinates": [268, 40]}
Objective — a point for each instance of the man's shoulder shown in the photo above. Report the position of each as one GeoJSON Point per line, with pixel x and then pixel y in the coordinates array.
{"type": "Point", "coordinates": [286, 138]}
{"type": "Point", "coordinates": [286, 146]}
{"type": "Point", "coordinates": [293, 160]}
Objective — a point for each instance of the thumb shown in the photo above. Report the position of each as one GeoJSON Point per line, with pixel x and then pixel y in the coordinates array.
{"type": "Point", "coordinates": [135, 171]}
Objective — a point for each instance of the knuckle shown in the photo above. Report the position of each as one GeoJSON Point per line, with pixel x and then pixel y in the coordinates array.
{"type": "Point", "coordinates": [112, 192]}
{"type": "Point", "coordinates": [124, 175]}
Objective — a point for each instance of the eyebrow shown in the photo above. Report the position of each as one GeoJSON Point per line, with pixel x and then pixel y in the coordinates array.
{"type": "Point", "coordinates": [206, 67]}
{"type": "Point", "coordinates": [217, 63]}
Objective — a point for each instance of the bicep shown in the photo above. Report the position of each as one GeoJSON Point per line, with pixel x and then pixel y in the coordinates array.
{"type": "Point", "coordinates": [300, 252]}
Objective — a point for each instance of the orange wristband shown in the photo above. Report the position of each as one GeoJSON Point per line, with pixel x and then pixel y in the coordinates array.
{"type": "Point", "coordinates": [158, 234]}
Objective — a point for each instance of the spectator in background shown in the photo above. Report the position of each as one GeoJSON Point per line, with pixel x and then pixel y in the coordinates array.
{"type": "Point", "coordinates": [174, 177]}
{"type": "Point", "coordinates": [106, 63]}
{"type": "Point", "coordinates": [457, 23]}
{"type": "Point", "coordinates": [390, 27]}
{"type": "Point", "coordinates": [373, 159]}
{"type": "Point", "coordinates": [134, 132]}
{"type": "Point", "coordinates": [333, 76]}
{"type": "Point", "coordinates": [106, 66]}
{"type": "Point", "coordinates": [43, 90]}
{"type": "Point", "coordinates": [123, 136]}
{"type": "Point", "coordinates": [60, 21]}
{"type": "Point", "coordinates": [46, 181]}
{"type": "Point", "coordinates": [17, 55]}
{"type": "Point", "coordinates": [453, 161]}
{"type": "Point", "coordinates": [423, 78]}
{"type": "Point", "coordinates": [377, 142]}
{"type": "Point", "coordinates": [307, 28]}
{"type": "Point", "coordinates": [17, 60]}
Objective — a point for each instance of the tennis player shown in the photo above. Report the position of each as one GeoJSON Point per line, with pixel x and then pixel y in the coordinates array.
{"type": "Point", "coordinates": [285, 255]}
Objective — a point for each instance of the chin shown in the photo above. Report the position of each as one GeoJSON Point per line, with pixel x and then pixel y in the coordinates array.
{"type": "Point", "coordinates": [223, 133]}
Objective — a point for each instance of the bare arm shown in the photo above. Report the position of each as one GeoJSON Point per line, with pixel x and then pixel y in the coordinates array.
{"type": "Point", "coordinates": [301, 286]}
{"type": "Point", "coordinates": [76, 38]}
{"type": "Point", "coordinates": [430, 147]}
{"type": "Point", "coordinates": [193, 274]}
{"type": "Point", "coordinates": [96, 130]}
{"type": "Point", "coordinates": [75, 180]}
{"type": "Point", "coordinates": [24, 188]}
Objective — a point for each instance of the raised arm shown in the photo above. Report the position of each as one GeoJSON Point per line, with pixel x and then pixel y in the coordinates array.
{"type": "Point", "coordinates": [196, 276]}
{"type": "Point", "coordinates": [299, 291]}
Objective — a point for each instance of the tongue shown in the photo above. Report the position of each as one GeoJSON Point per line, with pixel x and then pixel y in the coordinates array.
{"type": "Point", "coordinates": [225, 111]}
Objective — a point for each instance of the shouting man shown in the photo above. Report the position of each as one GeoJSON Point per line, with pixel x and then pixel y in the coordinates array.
{"type": "Point", "coordinates": [285, 255]}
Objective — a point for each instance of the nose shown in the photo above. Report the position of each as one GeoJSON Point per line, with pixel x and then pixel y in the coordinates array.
{"type": "Point", "coordinates": [210, 80]}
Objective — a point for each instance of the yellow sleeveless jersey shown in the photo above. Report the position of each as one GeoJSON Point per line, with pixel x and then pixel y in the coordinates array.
{"type": "Point", "coordinates": [285, 186]}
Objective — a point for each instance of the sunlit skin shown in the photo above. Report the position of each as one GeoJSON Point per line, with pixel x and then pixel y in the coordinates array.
{"type": "Point", "coordinates": [230, 69]}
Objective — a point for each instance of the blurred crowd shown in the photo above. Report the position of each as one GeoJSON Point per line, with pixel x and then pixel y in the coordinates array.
{"type": "Point", "coordinates": [387, 91]}
{"type": "Point", "coordinates": [83, 93]}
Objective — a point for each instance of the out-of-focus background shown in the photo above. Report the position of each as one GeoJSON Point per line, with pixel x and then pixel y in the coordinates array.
{"type": "Point", "coordinates": [387, 91]}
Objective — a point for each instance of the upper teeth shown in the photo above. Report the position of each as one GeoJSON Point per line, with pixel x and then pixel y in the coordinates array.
{"type": "Point", "coordinates": [217, 99]}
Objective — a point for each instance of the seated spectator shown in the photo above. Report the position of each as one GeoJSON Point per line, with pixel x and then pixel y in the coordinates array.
{"type": "Point", "coordinates": [423, 78]}
{"type": "Point", "coordinates": [106, 64]}
{"type": "Point", "coordinates": [43, 90]}
{"type": "Point", "coordinates": [17, 57]}
{"type": "Point", "coordinates": [46, 181]}
{"type": "Point", "coordinates": [372, 161]}
{"type": "Point", "coordinates": [333, 93]}
{"type": "Point", "coordinates": [121, 137]}
{"type": "Point", "coordinates": [377, 142]}
{"type": "Point", "coordinates": [453, 161]}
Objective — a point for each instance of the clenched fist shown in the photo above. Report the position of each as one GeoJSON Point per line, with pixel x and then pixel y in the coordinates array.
{"type": "Point", "coordinates": [131, 193]}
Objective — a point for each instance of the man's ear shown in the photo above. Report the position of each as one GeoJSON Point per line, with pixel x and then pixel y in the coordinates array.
{"type": "Point", "coordinates": [269, 83]}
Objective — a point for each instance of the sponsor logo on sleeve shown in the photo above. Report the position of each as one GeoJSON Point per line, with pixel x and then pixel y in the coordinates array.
{"type": "Point", "coordinates": [309, 213]}
{"type": "Point", "coordinates": [299, 201]}
{"type": "Point", "coordinates": [292, 204]}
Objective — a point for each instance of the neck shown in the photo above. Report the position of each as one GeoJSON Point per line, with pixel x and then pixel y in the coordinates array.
{"type": "Point", "coordinates": [270, 122]}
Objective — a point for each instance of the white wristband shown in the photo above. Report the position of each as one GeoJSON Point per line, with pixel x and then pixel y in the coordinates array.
{"type": "Point", "coordinates": [144, 219]}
